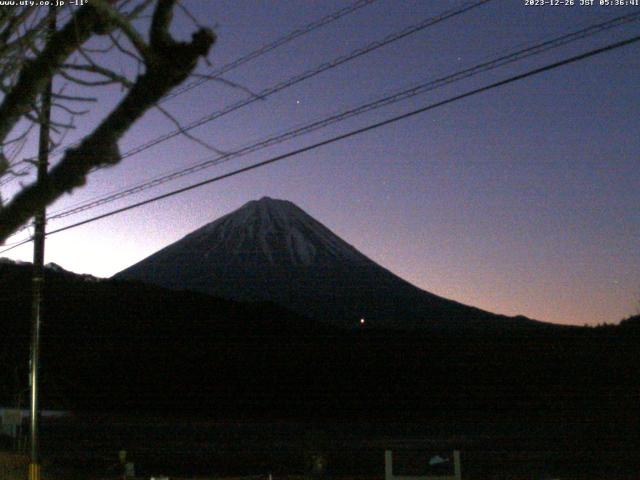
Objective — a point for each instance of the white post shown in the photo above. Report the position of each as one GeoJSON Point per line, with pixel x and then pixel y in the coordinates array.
{"type": "Point", "coordinates": [456, 465]}
{"type": "Point", "coordinates": [388, 465]}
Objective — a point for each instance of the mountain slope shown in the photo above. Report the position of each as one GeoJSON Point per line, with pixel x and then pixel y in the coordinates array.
{"type": "Point", "coordinates": [272, 250]}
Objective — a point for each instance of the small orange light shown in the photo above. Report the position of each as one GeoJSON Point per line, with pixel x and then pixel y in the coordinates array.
{"type": "Point", "coordinates": [362, 321]}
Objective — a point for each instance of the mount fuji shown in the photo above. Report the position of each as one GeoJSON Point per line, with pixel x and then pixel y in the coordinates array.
{"type": "Point", "coordinates": [271, 250]}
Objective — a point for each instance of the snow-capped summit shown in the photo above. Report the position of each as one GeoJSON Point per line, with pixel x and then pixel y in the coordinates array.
{"type": "Point", "coordinates": [271, 250]}
{"type": "Point", "coordinates": [277, 230]}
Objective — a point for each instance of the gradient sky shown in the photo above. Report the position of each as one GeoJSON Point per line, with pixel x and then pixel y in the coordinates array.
{"type": "Point", "coordinates": [521, 200]}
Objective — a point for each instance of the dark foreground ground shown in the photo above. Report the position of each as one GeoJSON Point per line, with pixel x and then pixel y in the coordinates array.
{"type": "Point", "coordinates": [87, 447]}
{"type": "Point", "coordinates": [523, 401]}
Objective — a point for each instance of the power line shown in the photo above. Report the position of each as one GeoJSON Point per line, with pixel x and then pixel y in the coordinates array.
{"type": "Point", "coordinates": [12, 176]}
{"type": "Point", "coordinates": [352, 133]}
{"type": "Point", "coordinates": [387, 100]}
{"type": "Point", "coordinates": [393, 37]}
{"type": "Point", "coordinates": [16, 245]}
{"type": "Point", "coordinates": [451, 13]}
{"type": "Point", "coordinates": [271, 46]}
{"type": "Point", "coordinates": [308, 74]}
{"type": "Point", "coordinates": [217, 73]}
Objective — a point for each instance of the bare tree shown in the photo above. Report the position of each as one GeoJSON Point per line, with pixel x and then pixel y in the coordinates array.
{"type": "Point", "coordinates": [29, 57]}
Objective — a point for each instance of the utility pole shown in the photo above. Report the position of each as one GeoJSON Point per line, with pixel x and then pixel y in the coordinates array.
{"type": "Point", "coordinates": [38, 267]}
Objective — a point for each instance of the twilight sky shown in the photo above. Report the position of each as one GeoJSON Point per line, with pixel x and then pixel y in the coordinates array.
{"type": "Point", "coordinates": [520, 200]}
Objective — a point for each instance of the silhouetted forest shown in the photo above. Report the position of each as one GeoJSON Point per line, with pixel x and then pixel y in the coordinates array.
{"type": "Point", "coordinates": [133, 348]}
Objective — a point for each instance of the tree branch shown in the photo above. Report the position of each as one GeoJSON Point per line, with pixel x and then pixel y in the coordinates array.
{"type": "Point", "coordinates": [172, 63]}
{"type": "Point", "coordinates": [36, 73]}
{"type": "Point", "coordinates": [123, 23]}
